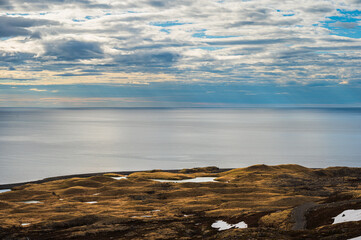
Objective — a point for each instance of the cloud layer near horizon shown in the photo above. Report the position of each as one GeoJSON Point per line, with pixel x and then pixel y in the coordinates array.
{"type": "Point", "coordinates": [180, 43]}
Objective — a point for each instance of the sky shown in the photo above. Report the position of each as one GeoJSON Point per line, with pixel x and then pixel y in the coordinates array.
{"type": "Point", "coordinates": [179, 53]}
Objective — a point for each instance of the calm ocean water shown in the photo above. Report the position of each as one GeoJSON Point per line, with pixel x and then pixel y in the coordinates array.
{"type": "Point", "coordinates": [38, 143]}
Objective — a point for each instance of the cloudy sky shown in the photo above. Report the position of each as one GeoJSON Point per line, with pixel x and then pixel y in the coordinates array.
{"type": "Point", "coordinates": [169, 53]}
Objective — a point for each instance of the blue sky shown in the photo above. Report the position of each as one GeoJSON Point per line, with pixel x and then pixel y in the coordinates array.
{"type": "Point", "coordinates": [162, 53]}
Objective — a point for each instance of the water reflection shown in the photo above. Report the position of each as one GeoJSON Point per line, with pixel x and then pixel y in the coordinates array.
{"type": "Point", "coordinates": [37, 143]}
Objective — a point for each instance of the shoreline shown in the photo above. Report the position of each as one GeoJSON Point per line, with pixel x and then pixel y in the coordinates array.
{"type": "Point", "coordinates": [85, 175]}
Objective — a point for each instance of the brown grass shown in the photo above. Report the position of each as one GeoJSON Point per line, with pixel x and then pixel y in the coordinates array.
{"type": "Point", "coordinates": [262, 195]}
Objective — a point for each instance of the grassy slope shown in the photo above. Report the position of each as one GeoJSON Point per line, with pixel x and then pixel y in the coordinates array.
{"type": "Point", "coordinates": [139, 208]}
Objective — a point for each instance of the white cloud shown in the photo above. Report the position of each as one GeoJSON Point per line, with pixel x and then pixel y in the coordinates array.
{"type": "Point", "coordinates": [38, 90]}
{"type": "Point", "coordinates": [265, 40]}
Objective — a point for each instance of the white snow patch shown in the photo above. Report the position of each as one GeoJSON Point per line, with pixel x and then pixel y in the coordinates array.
{"type": "Point", "coordinates": [197, 179]}
{"type": "Point", "coordinates": [25, 224]}
{"type": "Point", "coordinates": [240, 225]}
{"type": "Point", "coordinates": [92, 202]}
{"type": "Point", "coordinates": [356, 238]}
{"type": "Point", "coordinates": [118, 178]}
{"type": "Point", "coordinates": [31, 202]}
{"type": "Point", "coordinates": [156, 210]}
{"type": "Point", "coordinates": [4, 190]}
{"type": "Point", "coordinates": [222, 225]}
{"type": "Point", "coordinates": [348, 216]}
{"type": "Point", "coordinates": [61, 199]}
{"type": "Point", "coordinates": [145, 216]}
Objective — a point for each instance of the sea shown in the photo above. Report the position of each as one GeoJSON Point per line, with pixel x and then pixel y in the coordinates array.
{"type": "Point", "coordinates": [36, 143]}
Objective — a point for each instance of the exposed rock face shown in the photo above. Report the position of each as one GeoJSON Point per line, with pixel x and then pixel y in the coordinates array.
{"type": "Point", "coordinates": [275, 202]}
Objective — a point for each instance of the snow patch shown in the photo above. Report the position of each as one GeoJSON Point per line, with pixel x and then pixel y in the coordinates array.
{"type": "Point", "coordinates": [31, 202]}
{"type": "Point", "coordinates": [348, 216]}
{"type": "Point", "coordinates": [92, 202]}
{"type": "Point", "coordinates": [25, 224]}
{"type": "Point", "coordinates": [197, 179]}
{"type": "Point", "coordinates": [118, 178]}
{"type": "Point", "coordinates": [4, 190]}
{"type": "Point", "coordinates": [356, 238]}
{"type": "Point", "coordinates": [240, 225]}
{"type": "Point", "coordinates": [222, 225]}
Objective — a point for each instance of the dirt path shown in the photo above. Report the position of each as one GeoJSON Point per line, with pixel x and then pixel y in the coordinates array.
{"type": "Point", "coordinates": [299, 215]}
